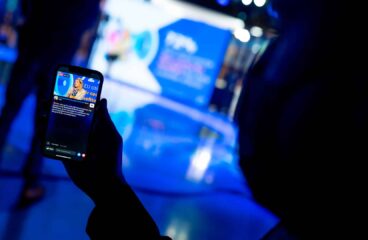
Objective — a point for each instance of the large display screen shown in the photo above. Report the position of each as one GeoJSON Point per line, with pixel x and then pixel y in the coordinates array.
{"type": "Point", "coordinates": [154, 48]}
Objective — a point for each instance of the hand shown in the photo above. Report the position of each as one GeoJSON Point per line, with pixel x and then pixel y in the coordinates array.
{"type": "Point", "coordinates": [101, 172]}
{"type": "Point", "coordinates": [100, 177]}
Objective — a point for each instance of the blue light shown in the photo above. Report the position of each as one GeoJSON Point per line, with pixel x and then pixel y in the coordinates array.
{"type": "Point", "coordinates": [272, 12]}
{"type": "Point", "coordinates": [223, 2]}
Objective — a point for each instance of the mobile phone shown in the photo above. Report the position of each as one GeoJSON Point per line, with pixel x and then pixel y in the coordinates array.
{"type": "Point", "coordinates": [76, 92]}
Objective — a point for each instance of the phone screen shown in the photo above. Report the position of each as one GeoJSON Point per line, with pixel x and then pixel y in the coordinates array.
{"type": "Point", "coordinates": [72, 109]}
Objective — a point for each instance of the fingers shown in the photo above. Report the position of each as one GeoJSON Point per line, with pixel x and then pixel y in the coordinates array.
{"type": "Point", "coordinates": [101, 109]}
{"type": "Point", "coordinates": [70, 164]}
{"type": "Point", "coordinates": [102, 114]}
{"type": "Point", "coordinates": [103, 105]}
{"type": "Point", "coordinates": [103, 119]}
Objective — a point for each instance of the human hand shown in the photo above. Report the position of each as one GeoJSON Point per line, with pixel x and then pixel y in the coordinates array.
{"type": "Point", "coordinates": [101, 172]}
{"type": "Point", "coordinates": [100, 177]}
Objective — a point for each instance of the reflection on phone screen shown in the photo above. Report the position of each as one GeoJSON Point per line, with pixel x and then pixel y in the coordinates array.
{"type": "Point", "coordinates": [71, 115]}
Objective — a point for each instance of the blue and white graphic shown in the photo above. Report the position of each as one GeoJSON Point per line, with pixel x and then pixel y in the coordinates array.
{"type": "Point", "coordinates": [188, 60]}
{"type": "Point", "coordinates": [64, 82]}
{"type": "Point", "coordinates": [165, 53]}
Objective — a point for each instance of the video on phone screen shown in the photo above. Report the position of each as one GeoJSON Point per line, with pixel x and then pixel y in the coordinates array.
{"type": "Point", "coordinates": [71, 116]}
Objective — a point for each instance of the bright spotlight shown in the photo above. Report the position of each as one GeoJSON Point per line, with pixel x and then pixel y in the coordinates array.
{"type": "Point", "coordinates": [259, 3]}
{"type": "Point", "coordinates": [242, 35]}
{"type": "Point", "coordinates": [256, 31]}
{"type": "Point", "coordinates": [246, 2]}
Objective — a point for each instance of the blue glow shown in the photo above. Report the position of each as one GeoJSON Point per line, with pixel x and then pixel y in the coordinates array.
{"type": "Point", "coordinates": [223, 2]}
{"type": "Point", "coordinates": [160, 149]}
{"type": "Point", "coordinates": [7, 54]}
{"type": "Point", "coordinates": [272, 12]}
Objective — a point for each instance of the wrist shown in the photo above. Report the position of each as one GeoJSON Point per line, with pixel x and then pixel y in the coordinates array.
{"type": "Point", "coordinates": [111, 191]}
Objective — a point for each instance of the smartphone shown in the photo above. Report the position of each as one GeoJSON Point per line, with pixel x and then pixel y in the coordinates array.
{"type": "Point", "coordinates": [76, 92]}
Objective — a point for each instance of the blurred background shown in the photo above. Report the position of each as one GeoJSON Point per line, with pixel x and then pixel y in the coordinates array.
{"type": "Point", "coordinates": [173, 72]}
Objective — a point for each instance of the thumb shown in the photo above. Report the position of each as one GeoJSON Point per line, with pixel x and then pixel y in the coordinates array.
{"type": "Point", "coordinates": [101, 114]}
{"type": "Point", "coordinates": [101, 109]}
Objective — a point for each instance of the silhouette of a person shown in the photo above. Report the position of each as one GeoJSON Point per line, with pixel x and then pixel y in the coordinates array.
{"type": "Point", "coordinates": [49, 36]}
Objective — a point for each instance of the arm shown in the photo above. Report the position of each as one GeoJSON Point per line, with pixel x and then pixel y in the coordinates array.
{"type": "Point", "coordinates": [100, 177]}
